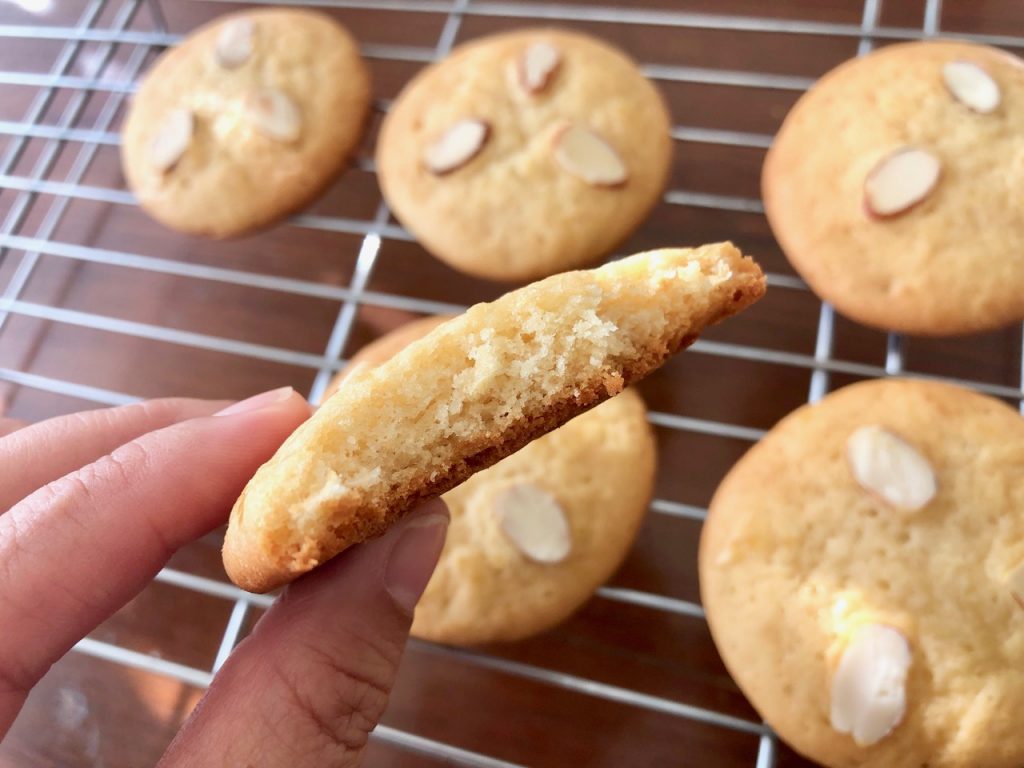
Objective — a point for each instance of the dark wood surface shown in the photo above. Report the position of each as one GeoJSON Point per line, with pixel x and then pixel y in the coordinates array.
{"type": "Point", "coordinates": [88, 712]}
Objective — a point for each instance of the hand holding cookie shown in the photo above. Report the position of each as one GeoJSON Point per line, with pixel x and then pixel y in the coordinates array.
{"type": "Point", "coordinates": [94, 504]}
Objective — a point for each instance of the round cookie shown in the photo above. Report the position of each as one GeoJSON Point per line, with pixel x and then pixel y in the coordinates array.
{"type": "Point", "coordinates": [526, 153]}
{"type": "Point", "coordinates": [861, 569]}
{"type": "Point", "coordinates": [598, 469]}
{"type": "Point", "coordinates": [246, 121]}
{"type": "Point", "coordinates": [929, 241]}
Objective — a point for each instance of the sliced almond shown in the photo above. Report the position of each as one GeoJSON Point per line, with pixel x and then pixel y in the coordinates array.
{"type": "Point", "coordinates": [972, 86]}
{"type": "Point", "coordinates": [537, 66]}
{"type": "Point", "coordinates": [869, 687]}
{"type": "Point", "coordinates": [533, 520]}
{"type": "Point", "coordinates": [1016, 583]}
{"type": "Point", "coordinates": [274, 114]}
{"type": "Point", "coordinates": [900, 180]}
{"type": "Point", "coordinates": [890, 468]}
{"type": "Point", "coordinates": [235, 42]}
{"type": "Point", "coordinates": [172, 139]}
{"type": "Point", "coordinates": [456, 146]}
{"type": "Point", "coordinates": [587, 156]}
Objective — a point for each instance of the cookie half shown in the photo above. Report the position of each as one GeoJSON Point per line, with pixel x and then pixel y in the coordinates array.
{"type": "Point", "coordinates": [470, 393]}
{"type": "Point", "coordinates": [862, 570]}
{"type": "Point", "coordinates": [526, 153]}
{"type": "Point", "coordinates": [894, 186]}
{"type": "Point", "coordinates": [246, 121]}
{"type": "Point", "coordinates": [534, 536]}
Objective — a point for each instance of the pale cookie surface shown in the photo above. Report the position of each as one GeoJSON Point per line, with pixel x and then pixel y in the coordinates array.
{"type": "Point", "coordinates": [576, 152]}
{"type": "Point", "coordinates": [866, 631]}
{"type": "Point", "coordinates": [598, 469]}
{"type": "Point", "coordinates": [473, 391]}
{"type": "Point", "coordinates": [894, 187]}
{"type": "Point", "coordinates": [276, 101]}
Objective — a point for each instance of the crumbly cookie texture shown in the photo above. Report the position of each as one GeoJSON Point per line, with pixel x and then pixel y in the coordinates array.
{"type": "Point", "coordinates": [578, 493]}
{"type": "Point", "coordinates": [246, 121]}
{"type": "Point", "coordinates": [469, 394]}
{"type": "Point", "coordinates": [858, 569]}
{"type": "Point", "coordinates": [894, 184]}
{"type": "Point", "coordinates": [526, 153]}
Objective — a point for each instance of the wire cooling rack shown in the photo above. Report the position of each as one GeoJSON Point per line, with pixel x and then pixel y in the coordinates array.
{"type": "Point", "coordinates": [82, 272]}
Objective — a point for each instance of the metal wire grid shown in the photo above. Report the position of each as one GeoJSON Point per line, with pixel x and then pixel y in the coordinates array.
{"type": "Point", "coordinates": [821, 364]}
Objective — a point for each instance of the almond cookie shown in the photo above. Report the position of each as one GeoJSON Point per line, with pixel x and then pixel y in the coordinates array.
{"type": "Point", "coordinates": [532, 537]}
{"type": "Point", "coordinates": [862, 569]}
{"type": "Point", "coordinates": [894, 188]}
{"type": "Point", "coordinates": [246, 121]}
{"type": "Point", "coordinates": [470, 393]}
{"type": "Point", "coordinates": [526, 153]}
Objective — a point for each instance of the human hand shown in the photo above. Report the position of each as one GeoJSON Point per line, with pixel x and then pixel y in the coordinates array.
{"type": "Point", "coordinates": [96, 504]}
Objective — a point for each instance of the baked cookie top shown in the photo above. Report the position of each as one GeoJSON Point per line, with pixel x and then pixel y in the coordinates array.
{"type": "Point", "coordinates": [532, 537]}
{"type": "Point", "coordinates": [245, 121]}
{"type": "Point", "coordinates": [894, 187]}
{"type": "Point", "coordinates": [861, 569]}
{"type": "Point", "coordinates": [526, 153]}
{"type": "Point", "coordinates": [471, 392]}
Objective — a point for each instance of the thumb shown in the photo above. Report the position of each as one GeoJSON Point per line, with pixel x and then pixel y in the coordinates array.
{"type": "Point", "coordinates": [312, 680]}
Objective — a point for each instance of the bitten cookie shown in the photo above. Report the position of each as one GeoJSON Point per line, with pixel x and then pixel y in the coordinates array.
{"type": "Point", "coordinates": [532, 537]}
{"type": "Point", "coordinates": [526, 153]}
{"type": "Point", "coordinates": [861, 569]}
{"type": "Point", "coordinates": [246, 121]}
{"type": "Point", "coordinates": [894, 188]}
{"type": "Point", "coordinates": [470, 393]}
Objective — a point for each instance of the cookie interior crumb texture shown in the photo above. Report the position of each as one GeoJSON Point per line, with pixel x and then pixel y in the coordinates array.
{"type": "Point", "coordinates": [595, 473]}
{"type": "Point", "coordinates": [798, 560]}
{"type": "Point", "coordinates": [473, 391]}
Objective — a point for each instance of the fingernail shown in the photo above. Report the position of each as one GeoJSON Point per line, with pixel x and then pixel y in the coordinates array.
{"type": "Point", "coordinates": [256, 402]}
{"type": "Point", "coordinates": [412, 559]}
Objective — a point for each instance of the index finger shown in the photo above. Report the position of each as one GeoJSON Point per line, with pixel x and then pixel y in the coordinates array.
{"type": "Point", "coordinates": [76, 550]}
{"type": "Point", "coordinates": [7, 426]}
{"type": "Point", "coordinates": [36, 455]}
